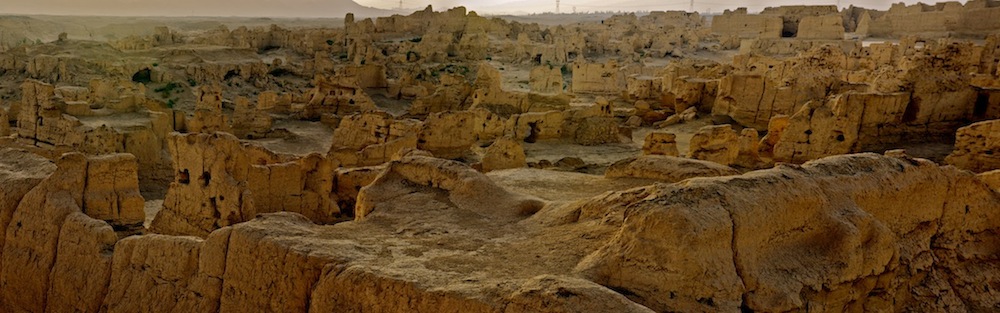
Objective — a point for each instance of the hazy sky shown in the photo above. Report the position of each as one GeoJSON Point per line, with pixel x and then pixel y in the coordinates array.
{"type": "Point", "coordinates": [336, 8]}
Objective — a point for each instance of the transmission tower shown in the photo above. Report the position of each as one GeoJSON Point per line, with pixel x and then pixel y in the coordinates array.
{"type": "Point", "coordinates": [400, 4]}
{"type": "Point", "coordinates": [691, 6]}
{"type": "Point", "coordinates": [557, 6]}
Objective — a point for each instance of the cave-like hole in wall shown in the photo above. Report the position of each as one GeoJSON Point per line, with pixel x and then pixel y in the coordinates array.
{"type": "Point", "coordinates": [184, 177]}
{"type": "Point", "coordinates": [144, 76]}
{"type": "Point", "coordinates": [206, 178]}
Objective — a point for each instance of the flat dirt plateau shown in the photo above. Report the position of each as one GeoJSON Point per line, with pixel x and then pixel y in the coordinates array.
{"type": "Point", "coordinates": [802, 158]}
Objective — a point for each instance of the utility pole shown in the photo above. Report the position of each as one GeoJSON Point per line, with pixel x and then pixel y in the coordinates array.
{"type": "Point", "coordinates": [691, 6]}
{"type": "Point", "coordinates": [400, 4]}
{"type": "Point", "coordinates": [557, 6]}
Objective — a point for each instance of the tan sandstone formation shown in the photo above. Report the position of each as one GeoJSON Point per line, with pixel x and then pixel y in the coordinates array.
{"type": "Point", "coordinates": [221, 182]}
{"type": "Point", "coordinates": [850, 245]}
{"type": "Point", "coordinates": [840, 126]}
{"type": "Point", "coordinates": [717, 143]}
{"type": "Point", "coordinates": [371, 138]}
{"type": "Point", "coordinates": [975, 146]}
{"type": "Point", "coordinates": [739, 24]}
{"type": "Point", "coordinates": [546, 79]}
{"type": "Point", "coordinates": [974, 18]}
{"type": "Point", "coordinates": [59, 235]}
{"type": "Point", "coordinates": [666, 168]}
{"type": "Point", "coordinates": [421, 212]}
{"type": "Point", "coordinates": [503, 153]}
{"type": "Point", "coordinates": [250, 120]}
{"type": "Point", "coordinates": [660, 143]}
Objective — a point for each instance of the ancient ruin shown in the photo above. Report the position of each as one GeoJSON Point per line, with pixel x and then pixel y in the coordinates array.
{"type": "Point", "coordinates": [789, 158]}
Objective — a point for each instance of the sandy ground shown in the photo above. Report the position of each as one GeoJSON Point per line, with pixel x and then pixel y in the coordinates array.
{"type": "Point", "coordinates": [151, 208]}
{"type": "Point", "coordinates": [560, 186]}
{"type": "Point", "coordinates": [309, 137]}
{"type": "Point", "coordinates": [117, 121]}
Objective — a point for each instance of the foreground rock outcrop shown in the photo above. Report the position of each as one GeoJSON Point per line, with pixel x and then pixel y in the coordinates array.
{"type": "Point", "coordinates": [855, 232]}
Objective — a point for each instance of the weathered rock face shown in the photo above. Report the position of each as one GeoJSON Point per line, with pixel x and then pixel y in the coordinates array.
{"type": "Point", "coordinates": [54, 256]}
{"type": "Point", "coordinates": [736, 248]}
{"type": "Point", "coordinates": [220, 182]}
{"type": "Point", "coordinates": [449, 95]}
{"type": "Point", "coordinates": [717, 143]}
{"type": "Point", "coordinates": [466, 188]}
{"type": "Point", "coordinates": [974, 19]}
{"type": "Point", "coordinates": [447, 134]}
{"type": "Point", "coordinates": [975, 146]}
{"type": "Point", "coordinates": [597, 130]}
{"type": "Point", "coordinates": [821, 27]}
{"type": "Point", "coordinates": [845, 124]}
{"type": "Point", "coordinates": [850, 243]}
{"type": "Point", "coordinates": [4, 123]}
{"type": "Point", "coordinates": [111, 191]}
{"type": "Point", "coordinates": [546, 79]}
{"type": "Point", "coordinates": [504, 153]}
{"type": "Point", "coordinates": [194, 266]}
{"type": "Point", "coordinates": [40, 119]}
{"type": "Point", "coordinates": [372, 138]}
{"type": "Point", "coordinates": [44, 118]}
{"type": "Point", "coordinates": [339, 95]}
{"type": "Point", "coordinates": [739, 24]}
{"type": "Point", "coordinates": [895, 94]}
{"type": "Point", "coordinates": [208, 116]}
{"type": "Point", "coordinates": [660, 143]}
{"type": "Point", "coordinates": [775, 127]}
{"type": "Point", "coordinates": [596, 78]}
{"type": "Point", "coordinates": [249, 120]}
{"type": "Point", "coordinates": [490, 95]}
{"type": "Point", "coordinates": [762, 87]}
{"type": "Point", "coordinates": [666, 168]}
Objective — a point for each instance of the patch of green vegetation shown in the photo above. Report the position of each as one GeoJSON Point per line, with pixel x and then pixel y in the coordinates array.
{"type": "Point", "coordinates": [329, 42]}
{"type": "Point", "coordinates": [156, 64]}
{"type": "Point", "coordinates": [192, 82]}
{"type": "Point", "coordinates": [417, 39]}
{"type": "Point", "coordinates": [167, 89]}
{"type": "Point", "coordinates": [171, 103]}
